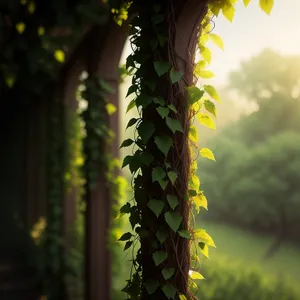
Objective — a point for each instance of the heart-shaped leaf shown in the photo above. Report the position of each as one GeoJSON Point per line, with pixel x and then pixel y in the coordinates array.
{"type": "Point", "coordinates": [194, 94]}
{"type": "Point", "coordinates": [169, 290]}
{"type": "Point", "coordinates": [163, 111]}
{"type": "Point", "coordinates": [173, 176]}
{"type": "Point", "coordinates": [161, 235]}
{"type": "Point", "coordinates": [156, 206]}
{"type": "Point", "coordinates": [168, 273]}
{"type": "Point", "coordinates": [173, 219]}
{"type": "Point", "coordinates": [185, 234]}
{"type": "Point", "coordinates": [175, 76]}
{"type": "Point", "coordinates": [159, 257]}
{"type": "Point", "coordinates": [145, 130]}
{"type": "Point", "coordinates": [151, 286]}
{"type": "Point", "coordinates": [173, 201]}
{"type": "Point", "coordinates": [164, 144]}
{"type": "Point", "coordinates": [158, 174]}
{"type": "Point", "coordinates": [174, 124]}
{"type": "Point", "coordinates": [163, 184]}
{"type": "Point", "coordinates": [161, 67]}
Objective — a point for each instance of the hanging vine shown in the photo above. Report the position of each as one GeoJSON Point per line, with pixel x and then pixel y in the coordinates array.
{"type": "Point", "coordinates": [163, 164]}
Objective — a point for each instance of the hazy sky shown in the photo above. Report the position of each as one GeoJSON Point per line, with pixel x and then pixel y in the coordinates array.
{"type": "Point", "coordinates": [250, 32]}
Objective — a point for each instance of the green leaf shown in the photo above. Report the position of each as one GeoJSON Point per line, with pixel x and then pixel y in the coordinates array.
{"type": "Point", "coordinates": [151, 286]}
{"type": "Point", "coordinates": [207, 153]}
{"type": "Point", "coordinates": [217, 39]}
{"type": "Point", "coordinates": [164, 144]}
{"type": "Point", "coordinates": [161, 67]}
{"type": "Point", "coordinates": [193, 134]}
{"type": "Point", "coordinates": [161, 235]}
{"type": "Point", "coordinates": [145, 130]}
{"type": "Point", "coordinates": [210, 90]}
{"type": "Point", "coordinates": [210, 107]}
{"type": "Point", "coordinates": [130, 106]}
{"type": "Point", "coordinates": [266, 5]}
{"type": "Point", "coordinates": [175, 76]}
{"type": "Point", "coordinates": [196, 275]}
{"type": "Point", "coordinates": [159, 100]}
{"type": "Point", "coordinates": [173, 201]}
{"type": "Point", "coordinates": [127, 245]}
{"type": "Point", "coordinates": [173, 219]}
{"type": "Point", "coordinates": [156, 19]}
{"type": "Point", "coordinates": [206, 120]}
{"type": "Point", "coordinates": [185, 234]}
{"type": "Point", "coordinates": [125, 237]}
{"type": "Point", "coordinates": [156, 206]}
{"type": "Point", "coordinates": [159, 257]}
{"type": "Point", "coordinates": [203, 236]}
{"type": "Point", "coordinates": [127, 160]}
{"type": "Point", "coordinates": [127, 143]}
{"type": "Point", "coordinates": [173, 176]}
{"type": "Point", "coordinates": [173, 108]}
{"type": "Point", "coordinates": [194, 94]}
{"type": "Point", "coordinates": [143, 100]}
{"type": "Point", "coordinates": [131, 122]}
{"type": "Point", "coordinates": [125, 209]}
{"type": "Point", "coordinates": [174, 124]}
{"type": "Point", "coordinates": [146, 158]}
{"type": "Point", "coordinates": [163, 111]}
{"type": "Point", "coordinates": [163, 184]}
{"type": "Point", "coordinates": [151, 84]}
{"type": "Point", "coordinates": [162, 39]}
{"type": "Point", "coordinates": [158, 174]}
{"type": "Point", "coordinates": [169, 290]}
{"type": "Point", "coordinates": [132, 89]}
{"type": "Point", "coordinates": [168, 273]}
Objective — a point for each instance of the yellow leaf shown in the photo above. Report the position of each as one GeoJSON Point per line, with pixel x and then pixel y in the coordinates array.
{"type": "Point", "coordinates": [110, 108]}
{"type": "Point", "coordinates": [246, 2]}
{"type": "Point", "coordinates": [194, 166]}
{"type": "Point", "coordinates": [59, 56]}
{"type": "Point", "coordinates": [199, 66]}
{"type": "Point", "coordinates": [217, 40]}
{"type": "Point", "coordinates": [182, 297]}
{"type": "Point", "coordinates": [196, 275]}
{"type": "Point", "coordinates": [193, 134]}
{"type": "Point", "coordinates": [207, 153]}
{"type": "Point", "coordinates": [41, 31]}
{"type": "Point", "coordinates": [200, 201]}
{"type": "Point", "coordinates": [205, 250]}
{"type": "Point", "coordinates": [10, 81]}
{"type": "Point", "coordinates": [204, 237]}
{"type": "Point", "coordinates": [206, 120]}
{"type": "Point", "coordinates": [266, 5]}
{"type": "Point", "coordinates": [206, 74]}
{"type": "Point", "coordinates": [228, 11]}
{"type": "Point", "coordinates": [206, 54]}
{"type": "Point", "coordinates": [211, 91]}
{"type": "Point", "coordinates": [31, 7]}
{"type": "Point", "coordinates": [195, 182]}
{"type": "Point", "coordinates": [20, 27]}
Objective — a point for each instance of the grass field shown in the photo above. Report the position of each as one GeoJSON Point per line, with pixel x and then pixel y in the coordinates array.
{"type": "Point", "coordinates": [242, 247]}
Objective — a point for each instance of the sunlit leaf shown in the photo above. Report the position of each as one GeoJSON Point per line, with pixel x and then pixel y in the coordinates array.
{"type": "Point", "coordinates": [110, 108]}
{"type": "Point", "coordinates": [217, 40]}
{"type": "Point", "coordinates": [200, 201]}
{"type": "Point", "coordinates": [59, 56]}
{"type": "Point", "coordinates": [210, 90]}
{"type": "Point", "coordinates": [206, 54]}
{"type": "Point", "coordinates": [20, 27]}
{"type": "Point", "coordinates": [266, 5]}
{"type": "Point", "coordinates": [246, 2]}
{"type": "Point", "coordinates": [204, 249]}
{"type": "Point", "coordinates": [194, 94]}
{"type": "Point", "coordinates": [182, 297]}
{"type": "Point", "coordinates": [193, 134]}
{"type": "Point", "coordinates": [206, 120]}
{"type": "Point", "coordinates": [210, 107]}
{"type": "Point", "coordinates": [206, 74]}
{"type": "Point", "coordinates": [196, 275]}
{"type": "Point", "coordinates": [228, 11]}
{"type": "Point", "coordinates": [130, 106]}
{"type": "Point", "coordinates": [207, 153]}
{"type": "Point", "coordinates": [203, 236]}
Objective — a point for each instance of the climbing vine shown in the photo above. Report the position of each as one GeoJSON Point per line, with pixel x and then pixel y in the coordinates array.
{"type": "Point", "coordinates": [163, 163]}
